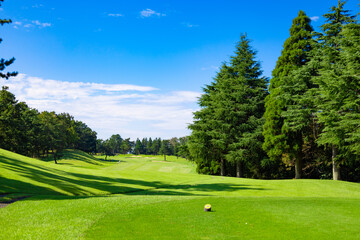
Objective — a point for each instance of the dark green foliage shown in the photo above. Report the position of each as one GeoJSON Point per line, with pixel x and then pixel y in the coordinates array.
{"type": "Point", "coordinates": [282, 141]}
{"type": "Point", "coordinates": [5, 63]}
{"type": "Point", "coordinates": [149, 146]}
{"type": "Point", "coordinates": [336, 95]}
{"type": "Point", "coordinates": [143, 149]}
{"type": "Point", "coordinates": [350, 81]}
{"type": "Point", "coordinates": [138, 147]}
{"type": "Point", "coordinates": [28, 132]}
{"type": "Point", "coordinates": [228, 126]}
{"type": "Point", "coordinates": [155, 147]}
{"type": "Point", "coordinates": [126, 146]}
{"type": "Point", "coordinates": [86, 138]}
{"type": "Point", "coordinates": [165, 148]}
{"type": "Point", "coordinates": [183, 149]}
{"type": "Point", "coordinates": [114, 143]}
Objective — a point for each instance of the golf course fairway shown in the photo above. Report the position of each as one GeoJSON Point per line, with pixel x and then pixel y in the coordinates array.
{"type": "Point", "coordinates": [144, 197]}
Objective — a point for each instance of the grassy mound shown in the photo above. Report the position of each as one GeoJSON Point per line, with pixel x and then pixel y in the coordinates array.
{"type": "Point", "coordinates": [144, 197]}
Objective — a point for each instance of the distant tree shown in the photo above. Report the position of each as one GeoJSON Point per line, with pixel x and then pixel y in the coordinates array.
{"type": "Point", "coordinates": [149, 146]}
{"type": "Point", "coordinates": [86, 138]}
{"type": "Point", "coordinates": [107, 149]}
{"type": "Point", "coordinates": [11, 124]}
{"type": "Point", "coordinates": [31, 129]}
{"type": "Point", "coordinates": [114, 143]}
{"type": "Point", "coordinates": [155, 147]}
{"type": "Point", "coordinates": [174, 145]}
{"type": "Point", "coordinates": [183, 149]}
{"type": "Point", "coordinates": [71, 136]}
{"type": "Point", "coordinates": [5, 63]}
{"type": "Point", "coordinates": [100, 148]}
{"type": "Point", "coordinates": [282, 141]}
{"type": "Point", "coordinates": [143, 149]}
{"type": "Point", "coordinates": [165, 148]}
{"type": "Point", "coordinates": [138, 146]}
{"type": "Point", "coordinates": [54, 133]}
{"type": "Point", "coordinates": [126, 146]}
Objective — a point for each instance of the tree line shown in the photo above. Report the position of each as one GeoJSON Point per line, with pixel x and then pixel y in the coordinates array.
{"type": "Point", "coordinates": [303, 122]}
{"type": "Point", "coordinates": [117, 145]}
{"type": "Point", "coordinates": [32, 133]}
{"type": "Point", "coordinates": [37, 134]}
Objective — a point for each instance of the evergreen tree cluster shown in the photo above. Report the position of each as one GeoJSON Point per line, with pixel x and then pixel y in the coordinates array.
{"type": "Point", "coordinates": [305, 123]}
{"type": "Point", "coordinates": [26, 131]}
{"type": "Point", "coordinates": [116, 145]}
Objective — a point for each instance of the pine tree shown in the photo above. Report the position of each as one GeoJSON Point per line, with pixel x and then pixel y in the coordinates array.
{"type": "Point", "coordinates": [204, 149]}
{"type": "Point", "coordinates": [5, 63]}
{"type": "Point", "coordinates": [242, 99]}
{"type": "Point", "coordinates": [148, 147]}
{"type": "Point", "coordinates": [164, 148]}
{"type": "Point", "coordinates": [143, 149]}
{"type": "Point", "coordinates": [350, 57]}
{"type": "Point", "coordinates": [227, 127]}
{"type": "Point", "coordinates": [138, 147]}
{"type": "Point", "coordinates": [280, 141]}
{"type": "Point", "coordinates": [333, 85]}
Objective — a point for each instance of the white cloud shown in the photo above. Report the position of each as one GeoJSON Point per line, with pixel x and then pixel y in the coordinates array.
{"type": "Point", "coordinates": [148, 13]}
{"type": "Point", "coordinates": [17, 23]}
{"type": "Point", "coordinates": [115, 15]}
{"type": "Point", "coordinates": [40, 24]}
{"type": "Point", "coordinates": [130, 110]}
{"type": "Point", "coordinates": [37, 6]}
{"type": "Point", "coordinates": [189, 25]}
{"type": "Point", "coordinates": [315, 18]}
{"type": "Point", "coordinates": [210, 68]}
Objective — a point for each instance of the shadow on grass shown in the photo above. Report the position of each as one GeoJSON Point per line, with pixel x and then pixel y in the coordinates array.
{"type": "Point", "coordinates": [40, 180]}
{"type": "Point", "coordinates": [74, 155]}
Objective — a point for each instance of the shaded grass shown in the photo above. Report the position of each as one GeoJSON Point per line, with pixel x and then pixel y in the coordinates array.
{"type": "Point", "coordinates": [143, 197]}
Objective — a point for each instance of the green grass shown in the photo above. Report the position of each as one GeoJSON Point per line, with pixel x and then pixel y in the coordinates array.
{"type": "Point", "coordinates": [145, 197]}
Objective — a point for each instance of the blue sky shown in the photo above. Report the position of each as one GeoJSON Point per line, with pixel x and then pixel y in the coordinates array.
{"type": "Point", "coordinates": [137, 67]}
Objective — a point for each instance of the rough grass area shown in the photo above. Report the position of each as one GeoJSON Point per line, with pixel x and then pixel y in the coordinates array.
{"type": "Point", "coordinates": [84, 197]}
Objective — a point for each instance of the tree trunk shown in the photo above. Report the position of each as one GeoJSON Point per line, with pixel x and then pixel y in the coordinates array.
{"type": "Point", "coordinates": [336, 167]}
{"type": "Point", "coordinates": [239, 172]}
{"type": "Point", "coordinates": [298, 167]}
{"type": "Point", "coordinates": [164, 157]}
{"type": "Point", "coordinates": [222, 167]}
{"type": "Point", "coordinates": [55, 158]}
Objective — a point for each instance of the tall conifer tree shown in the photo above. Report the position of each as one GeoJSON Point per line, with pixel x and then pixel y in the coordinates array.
{"type": "Point", "coordinates": [280, 142]}
{"type": "Point", "coordinates": [332, 94]}
{"type": "Point", "coordinates": [350, 57]}
{"type": "Point", "coordinates": [206, 151]}
{"type": "Point", "coordinates": [227, 127]}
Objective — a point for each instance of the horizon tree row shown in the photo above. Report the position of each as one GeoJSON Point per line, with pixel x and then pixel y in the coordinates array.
{"type": "Point", "coordinates": [117, 145]}
{"type": "Point", "coordinates": [32, 133]}
{"type": "Point", "coordinates": [37, 134]}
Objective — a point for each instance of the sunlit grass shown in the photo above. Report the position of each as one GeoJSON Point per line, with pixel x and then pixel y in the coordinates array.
{"type": "Point", "coordinates": [145, 197]}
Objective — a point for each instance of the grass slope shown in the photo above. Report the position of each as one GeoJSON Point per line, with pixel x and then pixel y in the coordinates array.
{"type": "Point", "coordinates": [146, 198]}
